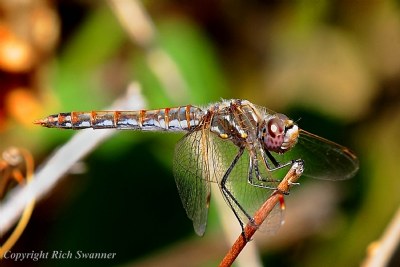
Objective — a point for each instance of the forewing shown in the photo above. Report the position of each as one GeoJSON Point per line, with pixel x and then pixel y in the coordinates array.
{"type": "Point", "coordinates": [323, 159]}
{"type": "Point", "coordinates": [191, 171]}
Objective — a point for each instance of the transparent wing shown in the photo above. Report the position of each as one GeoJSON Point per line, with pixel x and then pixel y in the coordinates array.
{"type": "Point", "coordinates": [323, 159]}
{"type": "Point", "coordinates": [247, 195]}
{"type": "Point", "coordinates": [192, 176]}
{"type": "Point", "coordinates": [274, 220]}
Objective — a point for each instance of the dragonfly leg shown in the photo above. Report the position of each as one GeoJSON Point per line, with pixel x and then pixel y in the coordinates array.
{"type": "Point", "coordinates": [254, 167]}
{"type": "Point", "coordinates": [277, 165]}
{"type": "Point", "coordinates": [273, 160]}
{"type": "Point", "coordinates": [229, 196]}
{"type": "Point", "coordinates": [260, 179]}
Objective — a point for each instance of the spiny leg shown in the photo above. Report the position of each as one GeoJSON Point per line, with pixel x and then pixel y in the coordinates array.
{"type": "Point", "coordinates": [277, 166]}
{"type": "Point", "coordinates": [273, 160]}
{"type": "Point", "coordinates": [228, 195]}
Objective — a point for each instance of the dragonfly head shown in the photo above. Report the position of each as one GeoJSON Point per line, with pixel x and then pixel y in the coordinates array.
{"type": "Point", "coordinates": [278, 133]}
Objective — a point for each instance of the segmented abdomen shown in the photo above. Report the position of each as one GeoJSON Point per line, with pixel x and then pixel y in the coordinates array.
{"type": "Point", "coordinates": [181, 118]}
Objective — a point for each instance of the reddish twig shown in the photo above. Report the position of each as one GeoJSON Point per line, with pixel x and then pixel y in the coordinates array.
{"type": "Point", "coordinates": [277, 196]}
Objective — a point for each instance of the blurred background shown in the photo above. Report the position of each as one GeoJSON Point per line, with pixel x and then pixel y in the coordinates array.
{"type": "Point", "coordinates": [334, 66]}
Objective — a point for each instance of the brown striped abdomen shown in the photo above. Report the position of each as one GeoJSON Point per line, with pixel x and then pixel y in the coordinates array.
{"type": "Point", "coordinates": [181, 118]}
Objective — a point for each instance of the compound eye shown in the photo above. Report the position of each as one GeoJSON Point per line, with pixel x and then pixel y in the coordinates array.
{"type": "Point", "coordinates": [282, 117]}
{"type": "Point", "coordinates": [276, 127]}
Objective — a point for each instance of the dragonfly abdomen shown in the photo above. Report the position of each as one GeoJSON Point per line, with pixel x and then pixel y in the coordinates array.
{"type": "Point", "coordinates": [168, 119]}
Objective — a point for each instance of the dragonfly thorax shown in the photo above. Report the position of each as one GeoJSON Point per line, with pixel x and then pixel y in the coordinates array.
{"type": "Point", "coordinates": [278, 133]}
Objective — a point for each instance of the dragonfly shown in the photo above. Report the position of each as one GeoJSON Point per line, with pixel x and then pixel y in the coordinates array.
{"type": "Point", "coordinates": [244, 148]}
